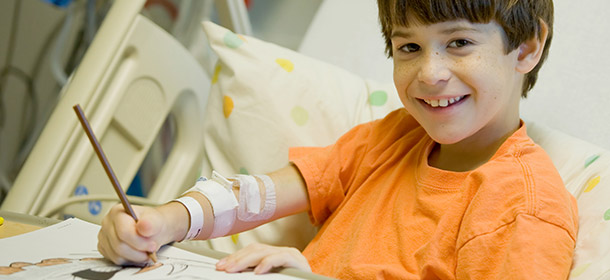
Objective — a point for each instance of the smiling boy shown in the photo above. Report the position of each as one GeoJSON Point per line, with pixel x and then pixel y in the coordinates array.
{"type": "Point", "coordinates": [448, 187]}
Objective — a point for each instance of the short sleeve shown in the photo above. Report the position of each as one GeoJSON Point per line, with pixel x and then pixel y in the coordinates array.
{"type": "Point", "coordinates": [527, 248]}
{"type": "Point", "coordinates": [328, 171]}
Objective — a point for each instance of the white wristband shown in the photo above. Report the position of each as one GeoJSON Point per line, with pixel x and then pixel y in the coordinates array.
{"type": "Point", "coordinates": [195, 214]}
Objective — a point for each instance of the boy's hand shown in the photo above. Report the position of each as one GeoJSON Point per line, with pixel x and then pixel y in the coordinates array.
{"type": "Point", "coordinates": [263, 258]}
{"type": "Point", "coordinates": [123, 241]}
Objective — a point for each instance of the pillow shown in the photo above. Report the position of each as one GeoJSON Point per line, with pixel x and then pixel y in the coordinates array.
{"type": "Point", "coordinates": [260, 88]}
{"type": "Point", "coordinates": [585, 171]}
{"type": "Point", "coordinates": [264, 99]}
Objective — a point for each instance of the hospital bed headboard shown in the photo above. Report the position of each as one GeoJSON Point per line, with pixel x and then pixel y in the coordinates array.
{"type": "Point", "coordinates": [133, 76]}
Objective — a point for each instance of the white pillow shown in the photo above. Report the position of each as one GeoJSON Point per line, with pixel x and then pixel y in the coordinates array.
{"type": "Point", "coordinates": [264, 99]}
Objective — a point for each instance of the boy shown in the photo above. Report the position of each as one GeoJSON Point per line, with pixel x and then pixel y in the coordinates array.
{"type": "Point", "coordinates": [448, 187]}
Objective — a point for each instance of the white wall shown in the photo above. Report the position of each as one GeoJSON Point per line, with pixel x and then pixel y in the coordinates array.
{"type": "Point", "coordinates": [572, 92]}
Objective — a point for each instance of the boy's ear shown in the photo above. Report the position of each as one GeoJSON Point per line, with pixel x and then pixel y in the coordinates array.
{"type": "Point", "coordinates": [531, 50]}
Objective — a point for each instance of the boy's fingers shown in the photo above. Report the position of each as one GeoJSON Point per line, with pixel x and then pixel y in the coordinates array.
{"type": "Point", "coordinates": [104, 247]}
{"type": "Point", "coordinates": [119, 241]}
{"type": "Point", "coordinates": [286, 257]}
{"type": "Point", "coordinates": [119, 252]}
{"type": "Point", "coordinates": [125, 232]}
{"type": "Point", "coordinates": [244, 258]}
{"type": "Point", "coordinates": [264, 258]}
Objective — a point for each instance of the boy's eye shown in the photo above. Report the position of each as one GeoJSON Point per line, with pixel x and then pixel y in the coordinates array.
{"type": "Point", "coordinates": [459, 43]}
{"type": "Point", "coordinates": [410, 48]}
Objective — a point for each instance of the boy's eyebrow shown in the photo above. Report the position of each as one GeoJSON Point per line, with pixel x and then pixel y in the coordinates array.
{"type": "Point", "coordinates": [446, 31]}
{"type": "Point", "coordinates": [400, 33]}
{"type": "Point", "coordinates": [455, 29]}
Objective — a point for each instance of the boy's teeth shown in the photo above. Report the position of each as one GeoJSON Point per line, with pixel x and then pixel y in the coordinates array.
{"type": "Point", "coordinates": [442, 102]}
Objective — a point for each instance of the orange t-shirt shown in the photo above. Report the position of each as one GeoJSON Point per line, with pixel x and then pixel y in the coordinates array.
{"type": "Point", "coordinates": [386, 214]}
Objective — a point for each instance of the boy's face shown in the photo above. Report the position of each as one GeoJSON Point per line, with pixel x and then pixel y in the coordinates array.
{"type": "Point", "coordinates": [457, 81]}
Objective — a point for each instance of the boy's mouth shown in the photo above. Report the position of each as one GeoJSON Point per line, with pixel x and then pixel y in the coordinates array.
{"type": "Point", "coordinates": [444, 102]}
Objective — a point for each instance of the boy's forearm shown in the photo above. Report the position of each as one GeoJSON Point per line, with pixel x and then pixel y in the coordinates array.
{"type": "Point", "coordinates": [291, 198]}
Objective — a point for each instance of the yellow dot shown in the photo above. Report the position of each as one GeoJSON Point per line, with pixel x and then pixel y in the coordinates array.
{"type": "Point", "coordinates": [228, 106]}
{"type": "Point", "coordinates": [285, 63]}
{"type": "Point", "coordinates": [592, 183]}
{"type": "Point", "coordinates": [1, 221]}
{"type": "Point", "coordinates": [299, 115]}
{"type": "Point", "coordinates": [235, 238]}
{"type": "Point", "coordinates": [216, 73]}
{"type": "Point", "coordinates": [577, 271]}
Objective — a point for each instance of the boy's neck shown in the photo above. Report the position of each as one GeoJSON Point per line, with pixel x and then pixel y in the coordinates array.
{"type": "Point", "coordinates": [468, 154]}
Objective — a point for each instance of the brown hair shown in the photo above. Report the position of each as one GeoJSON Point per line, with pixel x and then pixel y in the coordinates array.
{"type": "Point", "coordinates": [520, 20]}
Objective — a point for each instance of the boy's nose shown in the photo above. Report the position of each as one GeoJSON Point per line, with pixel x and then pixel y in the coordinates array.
{"type": "Point", "coordinates": [433, 69]}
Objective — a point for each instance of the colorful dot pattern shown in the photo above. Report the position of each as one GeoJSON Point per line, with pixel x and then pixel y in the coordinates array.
{"type": "Point", "coordinates": [232, 40]}
{"type": "Point", "coordinates": [590, 188]}
{"type": "Point", "coordinates": [591, 160]}
{"type": "Point", "coordinates": [216, 73]}
{"type": "Point", "coordinates": [579, 270]}
{"type": "Point", "coordinates": [235, 238]}
{"type": "Point", "coordinates": [299, 115]}
{"type": "Point", "coordinates": [378, 98]}
{"type": "Point", "coordinates": [228, 106]}
{"type": "Point", "coordinates": [285, 64]}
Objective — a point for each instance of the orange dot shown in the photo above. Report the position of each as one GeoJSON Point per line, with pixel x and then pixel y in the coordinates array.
{"type": "Point", "coordinates": [228, 106]}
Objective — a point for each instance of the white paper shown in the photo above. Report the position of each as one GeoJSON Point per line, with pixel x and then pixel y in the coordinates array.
{"type": "Point", "coordinates": [68, 250]}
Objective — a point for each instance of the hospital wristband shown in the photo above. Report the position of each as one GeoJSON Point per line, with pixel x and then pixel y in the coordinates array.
{"type": "Point", "coordinates": [195, 214]}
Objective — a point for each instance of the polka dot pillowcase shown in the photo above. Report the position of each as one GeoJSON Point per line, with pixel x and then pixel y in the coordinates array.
{"type": "Point", "coordinates": [265, 98]}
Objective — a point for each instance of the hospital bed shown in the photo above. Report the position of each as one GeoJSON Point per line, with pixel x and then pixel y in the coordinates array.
{"type": "Point", "coordinates": [129, 85]}
{"type": "Point", "coordinates": [261, 98]}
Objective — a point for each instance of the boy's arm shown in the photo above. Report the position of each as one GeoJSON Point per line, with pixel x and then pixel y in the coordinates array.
{"type": "Point", "coordinates": [122, 240]}
{"type": "Point", "coordinates": [291, 198]}
{"type": "Point", "coordinates": [527, 248]}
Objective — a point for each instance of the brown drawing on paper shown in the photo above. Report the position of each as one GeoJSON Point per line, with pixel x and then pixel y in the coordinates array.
{"type": "Point", "coordinates": [96, 268]}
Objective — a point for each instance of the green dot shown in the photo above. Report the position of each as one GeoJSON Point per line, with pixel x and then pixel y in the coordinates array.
{"type": "Point", "coordinates": [299, 115]}
{"type": "Point", "coordinates": [607, 215]}
{"type": "Point", "coordinates": [378, 98]}
{"type": "Point", "coordinates": [591, 160]}
{"type": "Point", "coordinates": [232, 40]}
{"type": "Point", "coordinates": [244, 171]}
{"type": "Point", "coordinates": [579, 270]}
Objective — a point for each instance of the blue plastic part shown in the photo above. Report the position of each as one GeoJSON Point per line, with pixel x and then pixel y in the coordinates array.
{"type": "Point", "coordinates": [59, 3]}
{"type": "Point", "coordinates": [136, 188]}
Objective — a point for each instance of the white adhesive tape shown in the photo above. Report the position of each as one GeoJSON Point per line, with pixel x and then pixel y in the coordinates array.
{"type": "Point", "coordinates": [219, 193]}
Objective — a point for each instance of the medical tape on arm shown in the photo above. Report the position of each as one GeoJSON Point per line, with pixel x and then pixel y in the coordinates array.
{"type": "Point", "coordinates": [219, 192]}
{"type": "Point", "coordinates": [249, 209]}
